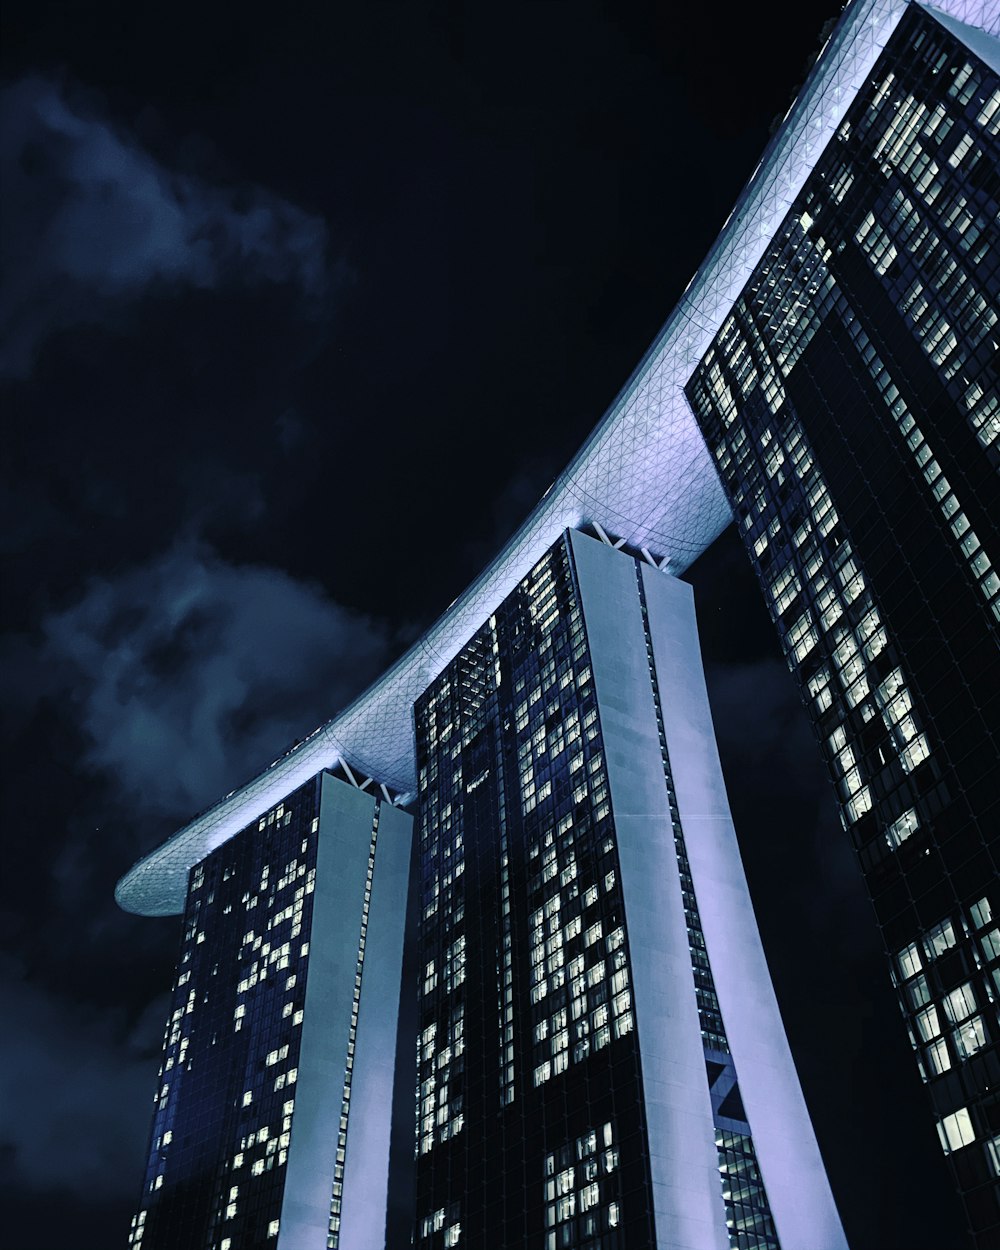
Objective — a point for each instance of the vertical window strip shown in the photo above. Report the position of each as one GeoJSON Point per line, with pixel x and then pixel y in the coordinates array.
{"type": "Point", "coordinates": [337, 1197]}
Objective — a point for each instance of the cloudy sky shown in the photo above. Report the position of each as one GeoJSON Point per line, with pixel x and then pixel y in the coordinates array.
{"type": "Point", "coordinates": [299, 317]}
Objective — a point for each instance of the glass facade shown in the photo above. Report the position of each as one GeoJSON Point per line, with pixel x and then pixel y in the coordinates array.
{"type": "Point", "coordinates": [850, 400]}
{"type": "Point", "coordinates": [531, 1116]}
{"type": "Point", "coordinates": [268, 1015]}
{"type": "Point", "coordinates": [526, 1045]}
{"type": "Point", "coordinates": [226, 1095]}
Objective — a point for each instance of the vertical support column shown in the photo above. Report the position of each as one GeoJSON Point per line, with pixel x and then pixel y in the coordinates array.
{"type": "Point", "coordinates": [801, 1203]}
{"type": "Point", "coordinates": [345, 833]}
{"type": "Point", "coordinates": [688, 1208]}
{"type": "Point", "coordinates": [366, 1175]}
{"type": "Point", "coordinates": [402, 1187]}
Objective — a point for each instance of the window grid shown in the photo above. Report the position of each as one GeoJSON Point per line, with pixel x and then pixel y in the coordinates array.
{"type": "Point", "coordinates": [851, 403]}
{"type": "Point", "coordinates": [227, 1080]}
{"type": "Point", "coordinates": [511, 763]}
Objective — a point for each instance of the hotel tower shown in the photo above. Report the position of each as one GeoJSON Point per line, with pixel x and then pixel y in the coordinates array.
{"type": "Point", "coordinates": [475, 963]}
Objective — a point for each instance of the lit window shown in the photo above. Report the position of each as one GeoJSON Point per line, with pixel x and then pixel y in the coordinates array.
{"type": "Point", "coordinates": [928, 1024]}
{"type": "Point", "coordinates": [915, 753]}
{"type": "Point", "coordinates": [969, 1037]}
{"type": "Point", "coordinates": [960, 1003]}
{"type": "Point", "coordinates": [991, 944]}
{"type": "Point", "coordinates": [859, 804]}
{"type": "Point", "coordinates": [939, 939]}
{"type": "Point", "coordinates": [902, 828]}
{"type": "Point", "coordinates": [918, 992]}
{"type": "Point", "coordinates": [938, 1059]}
{"type": "Point", "coordinates": [956, 1130]}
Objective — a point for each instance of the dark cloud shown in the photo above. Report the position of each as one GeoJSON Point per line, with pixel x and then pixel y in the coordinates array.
{"type": "Point", "coordinates": [187, 673]}
{"type": "Point", "coordinates": [170, 682]}
{"type": "Point", "coordinates": [91, 221]}
{"type": "Point", "coordinates": [177, 678]}
{"type": "Point", "coordinates": [91, 1069]}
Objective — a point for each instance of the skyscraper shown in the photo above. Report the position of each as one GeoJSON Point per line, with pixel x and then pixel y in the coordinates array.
{"type": "Point", "coordinates": [580, 1046]}
{"type": "Point", "coordinates": [601, 1060]}
{"type": "Point", "coordinates": [850, 399]}
{"type": "Point", "coordinates": [283, 1019]}
{"type": "Point", "coordinates": [837, 350]}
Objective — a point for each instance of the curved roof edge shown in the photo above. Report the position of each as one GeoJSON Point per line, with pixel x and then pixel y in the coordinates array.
{"type": "Point", "coordinates": [644, 473]}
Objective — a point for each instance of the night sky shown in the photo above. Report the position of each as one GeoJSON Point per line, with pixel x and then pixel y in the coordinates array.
{"type": "Point", "coordinates": [304, 306]}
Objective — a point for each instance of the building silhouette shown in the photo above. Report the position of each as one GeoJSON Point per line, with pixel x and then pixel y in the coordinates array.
{"type": "Point", "coordinates": [829, 378]}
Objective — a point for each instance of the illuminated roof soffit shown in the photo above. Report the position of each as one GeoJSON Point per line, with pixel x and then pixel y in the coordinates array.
{"type": "Point", "coordinates": [644, 473]}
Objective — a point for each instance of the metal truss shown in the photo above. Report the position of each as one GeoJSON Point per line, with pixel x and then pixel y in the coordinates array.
{"type": "Point", "coordinates": [644, 474]}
